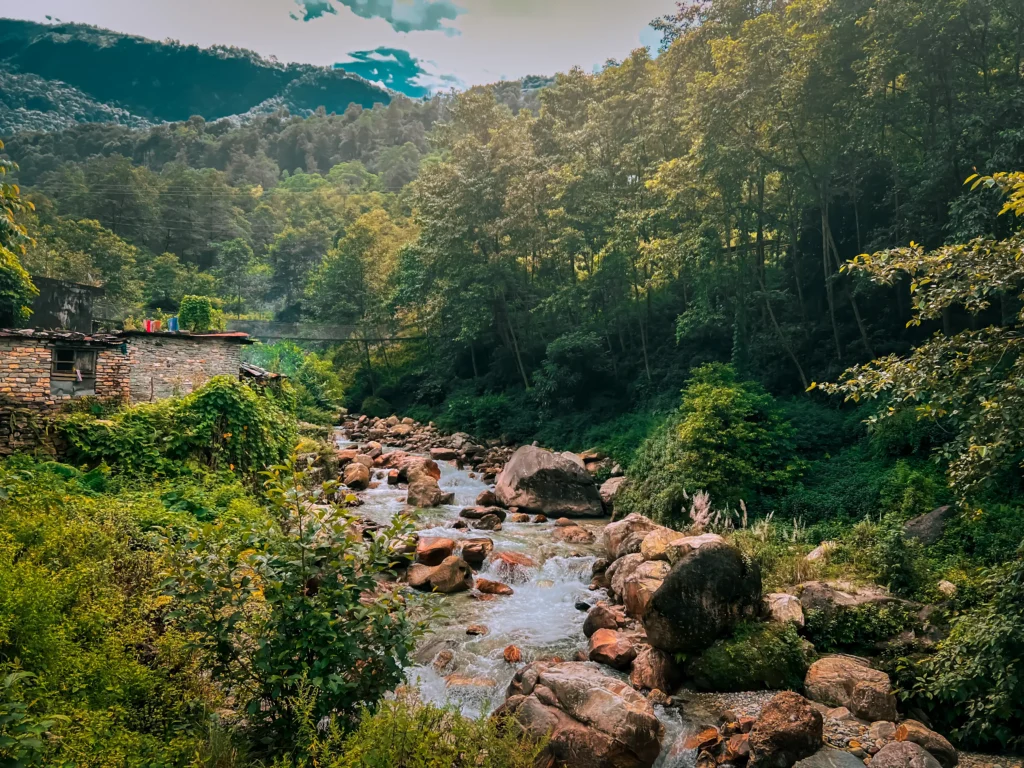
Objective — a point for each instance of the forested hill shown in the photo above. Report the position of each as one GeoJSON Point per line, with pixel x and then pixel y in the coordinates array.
{"type": "Point", "coordinates": [54, 75]}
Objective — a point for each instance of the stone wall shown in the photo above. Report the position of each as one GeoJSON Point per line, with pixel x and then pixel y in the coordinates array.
{"type": "Point", "coordinates": [164, 366]}
{"type": "Point", "coordinates": [26, 403]}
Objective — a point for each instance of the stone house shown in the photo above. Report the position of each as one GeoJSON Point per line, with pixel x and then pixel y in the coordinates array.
{"type": "Point", "coordinates": [41, 370]}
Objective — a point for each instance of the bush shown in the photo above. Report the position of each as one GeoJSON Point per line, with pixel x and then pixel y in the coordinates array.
{"type": "Point", "coordinates": [404, 732]}
{"type": "Point", "coordinates": [16, 290]}
{"type": "Point", "coordinates": [375, 407]}
{"type": "Point", "coordinates": [973, 687]}
{"type": "Point", "coordinates": [769, 655]}
{"type": "Point", "coordinates": [78, 611]}
{"type": "Point", "coordinates": [575, 368]}
{"type": "Point", "coordinates": [857, 629]}
{"type": "Point", "coordinates": [195, 313]}
{"type": "Point", "coordinates": [225, 424]}
{"type": "Point", "coordinates": [728, 438]}
{"type": "Point", "coordinates": [295, 610]}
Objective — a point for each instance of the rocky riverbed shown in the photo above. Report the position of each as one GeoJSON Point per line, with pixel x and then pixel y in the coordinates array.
{"type": "Point", "coordinates": [548, 611]}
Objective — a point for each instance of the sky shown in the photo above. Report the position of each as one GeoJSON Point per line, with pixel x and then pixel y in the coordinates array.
{"type": "Point", "coordinates": [416, 46]}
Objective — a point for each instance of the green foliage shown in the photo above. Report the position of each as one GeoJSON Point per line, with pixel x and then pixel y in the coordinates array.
{"type": "Point", "coordinates": [318, 391]}
{"type": "Point", "coordinates": [224, 424]}
{"type": "Point", "coordinates": [375, 406]}
{"type": "Point", "coordinates": [972, 687]}
{"type": "Point", "coordinates": [575, 369]}
{"type": "Point", "coordinates": [21, 734]}
{"type": "Point", "coordinates": [195, 313]}
{"type": "Point", "coordinates": [758, 656]}
{"type": "Point", "coordinates": [16, 288]}
{"type": "Point", "coordinates": [728, 438]}
{"type": "Point", "coordinates": [78, 611]}
{"type": "Point", "coordinates": [295, 606]}
{"type": "Point", "coordinates": [857, 629]}
{"type": "Point", "coordinates": [403, 732]}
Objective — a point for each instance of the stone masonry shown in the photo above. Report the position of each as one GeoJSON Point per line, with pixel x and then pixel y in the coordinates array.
{"type": "Point", "coordinates": [167, 366]}
{"type": "Point", "coordinates": [25, 374]}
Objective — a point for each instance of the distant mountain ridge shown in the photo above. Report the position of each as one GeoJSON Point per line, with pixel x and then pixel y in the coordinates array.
{"type": "Point", "coordinates": [53, 75]}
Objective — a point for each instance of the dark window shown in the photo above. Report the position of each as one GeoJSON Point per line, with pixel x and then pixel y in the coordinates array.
{"type": "Point", "coordinates": [73, 372]}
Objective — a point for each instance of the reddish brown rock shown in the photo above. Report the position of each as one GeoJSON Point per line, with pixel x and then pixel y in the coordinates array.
{"type": "Point", "coordinates": [788, 730]}
{"type": "Point", "coordinates": [539, 519]}
{"type": "Point", "coordinates": [475, 551]}
{"type": "Point", "coordinates": [601, 616]}
{"type": "Point", "coordinates": [512, 655]}
{"type": "Point", "coordinates": [452, 575]}
{"type": "Point", "coordinates": [476, 629]}
{"type": "Point", "coordinates": [393, 477]}
{"type": "Point", "coordinates": [654, 669]}
{"type": "Point", "coordinates": [639, 587]}
{"type": "Point", "coordinates": [592, 719]}
{"type": "Point", "coordinates": [512, 567]}
{"type": "Point", "coordinates": [936, 745]}
{"type": "Point", "coordinates": [845, 681]}
{"type": "Point", "coordinates": [356, 476]}
{"type": "Point", "coordinates": [487, 523]}
{"type": "Point", "coordinates": [519, 517]}
{"type": "Point", "coordinates": [443, 454]}
{"type": "Point", "coordinates": [433, 551]}
{"type": "Point", "coordinates": [612, 648]}
{"type": "Point", "coordinates": [489, 587]}
{"type": "Point", "coordinates": [487, 499]}
{"type": "Point", "coordinates": [573, 534]}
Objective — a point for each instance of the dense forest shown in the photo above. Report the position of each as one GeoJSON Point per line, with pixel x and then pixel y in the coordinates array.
{"type": "Point", "coordinates": [775, 262]}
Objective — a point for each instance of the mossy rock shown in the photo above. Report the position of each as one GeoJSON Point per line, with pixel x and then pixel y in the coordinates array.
{"type": "Point", "coordinates": [758, 656]}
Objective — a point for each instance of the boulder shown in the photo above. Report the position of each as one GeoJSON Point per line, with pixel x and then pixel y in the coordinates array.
{"type": "Point", "coordinates": [519, 517]}
{"type": "Point", "coordinates": [475, 551]}
{"type": "Point", "coordinates": [609, 490]}
{"type": "Point", "coordinates": [487, 499]}
{"type": "Point", "coordinates": [639, 587]}
{"type": "Point", "coordinates": [602, 616]}
{"type": "Point", "coordinates": [783, 608]}
{"type": "Point", "coordinates": [845, 681]}
{"type": "Point", "coordinates": [512, 567]}
{"type": "Point", "coordinates": [625, 536]}
{"type": "Point", "coordinates": [621, 570]}
{"type": "Point", "coordinates": [589, 717]}
{"type": "Point", "coordinates": [702, 598]}
{"type": "Point", "coordinates": [654, 545]}
{"type": "Point", "coordinates": [607, 646]}
{"type": "Point", "coordinates": [393, 477]}
{"type": "Point", "coordinates": [655, 670]}
{"type": "Point", "coordinates": [682, 546]}
{"type": "Point", "coordinates": [425, 492]}
{"type": "Point", "coordinates": [488, 523]}
{"type": "Point", "coordinates": [904, 754]}
{"type": "Point", "coordinates": [356, 476]}
{"type": "Point", "coordinates": [789, 729]}
{"type": "Point", "coordinates": [365, 459]}
{"type": "Point", "coordinates": [827, 757]}
{"type": "Point", "coordinates": [475, 513]}
{"type": "Point", "coordinates": [452, 575]}
{"type": "Point", "coordinates": [433, 551]}
{"type": "Point", "coordinates": [443, 454]}
{"type": "Point", "coordinates": [412, 467]}
{"type": "Point", "coordinates": [827, 596]}
{"type": "Point", "coordinates": [573, 534]}
{"type": "Point", "coordinates": [401, 430]}
{"type": "Point", "coordinates": [930, 527]}
{"type": "Point", "coordinates": [489, 587]}
{"type": "Point", "coordinates": [538, 481]}
{"type": "Point", "coordinates": [936, 745]}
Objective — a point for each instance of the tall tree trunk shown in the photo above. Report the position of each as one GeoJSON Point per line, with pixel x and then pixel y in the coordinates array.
{"type": "Point", "coordinates": [853, 299]}
{"type": "Point", "coordinates": [826, 269]}
{"type": "Point", "coordinates": [782, 338]}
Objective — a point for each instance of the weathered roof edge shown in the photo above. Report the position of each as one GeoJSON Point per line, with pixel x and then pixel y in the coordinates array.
{"type": "Point", "coordinates": [117, 337]}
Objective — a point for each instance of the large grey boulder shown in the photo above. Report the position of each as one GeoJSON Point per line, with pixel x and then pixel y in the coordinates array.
{"type": "Point", "coordinates": [702, 598]}
{"type": "Point", "coordinates": [929, 528]}
{"type": "Point", "coordinates": [542, 482]}
{"type": "Point", "coordinates": [589, 717]}
{"type": "Point", "coordinates": [846, 681]}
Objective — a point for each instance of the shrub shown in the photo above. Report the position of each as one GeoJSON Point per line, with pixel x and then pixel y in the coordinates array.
{"type": "Point", "coordinates": [575, 368]}
{"type": "Point", "coordinates": [375, 407]}
{"type": "Point", "coordinates": [196, 313]}
{"type": "Point", "coordinates": [769, 655]}
{"type": "Point", "coordinates": [16, 290]}
{"type": "Point", "coordinates": [225, 424]}
{"type": "Point", "coordinates": [318, 391]}
{"type": "Point", "coordinates": [295, 607]}
{"type": "Point", "coordinates": [78, 612]}
{"type": "Point", "coordinates": [404, 732]}
{"type": "Point", "coordinates": [973, 687]}
{"type": "Point", "coordinates": [857, 629]}
{"type": "Point", "coordinates": [728, 438]}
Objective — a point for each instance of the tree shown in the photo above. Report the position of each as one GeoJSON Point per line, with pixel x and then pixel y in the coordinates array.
{"type": "Point", "coordinates": [235, 261]}
{"type": "Point", "coordinates": [971, 382]}
{"type": "Point", "coordinates": [16, 288]}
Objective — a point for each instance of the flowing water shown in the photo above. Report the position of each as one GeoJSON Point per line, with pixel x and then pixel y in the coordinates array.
{"type": "Point", "coordinates": [540, 618]}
